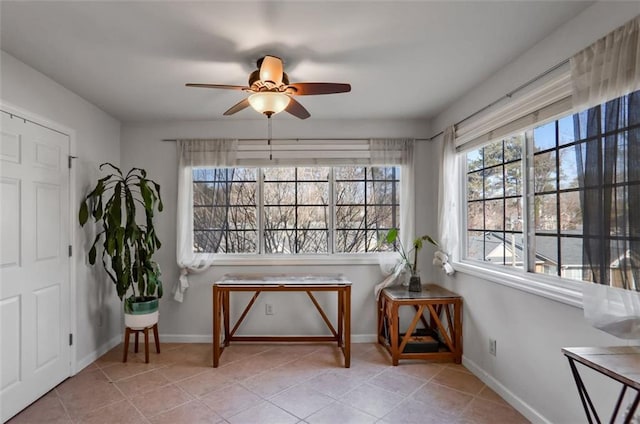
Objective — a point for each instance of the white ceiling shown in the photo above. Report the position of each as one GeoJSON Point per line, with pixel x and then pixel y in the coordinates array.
{"type": "Point", "coordinates": [403, 59]}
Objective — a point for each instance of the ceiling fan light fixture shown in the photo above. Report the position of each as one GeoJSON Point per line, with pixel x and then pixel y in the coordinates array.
{"type": "Point", "coordinates": [268, 102]}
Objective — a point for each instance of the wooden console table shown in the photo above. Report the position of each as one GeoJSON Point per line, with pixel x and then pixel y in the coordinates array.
{"type": "Point", "coordinates": [620, 363]}
{"type": "Point", "coordinates": [432, 299]}
{"type": "Point", "coordinates": [281, 283]}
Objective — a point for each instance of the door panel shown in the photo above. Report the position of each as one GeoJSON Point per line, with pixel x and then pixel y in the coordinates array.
{"type": "Point", "coordinates": [34, 264]}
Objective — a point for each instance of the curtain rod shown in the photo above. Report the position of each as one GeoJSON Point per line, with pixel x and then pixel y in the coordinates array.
{"type": "Point", "coordinates": [304, 139]}
{"type": "Point", "coordinates": [506, 96]}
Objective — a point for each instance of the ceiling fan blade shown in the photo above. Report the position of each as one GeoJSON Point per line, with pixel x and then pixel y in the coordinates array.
{"type": "Point", "coordinates": [223, 86]}
{"type": "Point", "coordinates": [296, 109]}
{"type": "Point", "coordinates": [242, 104]}
{"type": "Point", "coordinates": [271, 69]}
{"type": "Point", "coordinates": [312, 88]}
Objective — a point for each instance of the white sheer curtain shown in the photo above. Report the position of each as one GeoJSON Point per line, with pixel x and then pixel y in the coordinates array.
{"type": "Point", "coordinates": [195, 153]}
{"type": "Point", "coordinates": [604, 71]}
{"type": "Point", "coordinates": [448, 198]}
{"type": "Point", "coordinates": [607, 69]}
{"type": "Point", "coordinates": [397, 152]}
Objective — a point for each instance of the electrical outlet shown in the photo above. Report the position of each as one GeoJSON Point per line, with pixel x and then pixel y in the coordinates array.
{"type": "Point", "coordinates": [492, 347]}
{"type": "Point", "coordinates": [268, 309]}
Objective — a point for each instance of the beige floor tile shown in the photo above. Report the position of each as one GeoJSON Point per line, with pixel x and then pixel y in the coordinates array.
{"type": "Point", "coordinates": [231, 400]}
{"type": "Point", "coordinates": [296, 381]}
{"type": "Point", "coordinates": [412, 411]}
{"type": "Point", "coordinates": [488, 394]}
{"type": "Point", "coordinates": [86, 392]}
{"type": "Point", "coordinates": [372, 399]}
{"type": "Point", "coordinates": [263, 413]}
{"type": "Point", "coordinates": [142, 383]}
{"type": "Point", "coordinates": [301, 401]}
{"type": "Point", "coordinates": [193, 412]}
{"type": "Point", "coordinates": [122, 370]}
{"type": "Point", "coordinates": [481, 411]}
{"type": "Point", "coordinates": [459, 380]}
{"type": "Point", "coordinates": [160, 400]}
{"type": "Point", "coordinates": [47, 409]}
{"type": "Point", "coordinates": [203, 383]}
{"type": "Point", "coordinates": [443, 398]}
{"type": "Point", "coordinates": [395, 382]}
{"type": "Point", "coordinates": [121, 412]}
{"type": "Point", "coordinates": [339, 413]}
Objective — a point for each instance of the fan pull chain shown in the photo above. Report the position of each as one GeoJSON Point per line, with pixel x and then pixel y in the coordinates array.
{"type": "Point", "coordinates": [269, 140]}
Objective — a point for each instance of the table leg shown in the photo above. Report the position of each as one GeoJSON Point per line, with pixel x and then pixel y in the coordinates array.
{"type": "Point", "coordinates": [347, 327]}
{"type": "Point", "coordinates": [217, 305]}
{"type": "Point", "coordinates": [394, 323]}
{"type": "Point", "coordinates": [582, 391]}
{"type": "Point", "coordinates": [457, 330]}
{"type": "Point", "coordinates": [226, 295]}
{"type": "Point", "coordinates": [340, 316]}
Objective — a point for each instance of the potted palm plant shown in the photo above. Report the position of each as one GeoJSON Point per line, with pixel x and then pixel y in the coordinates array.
{"type": "Point", "coordinates": [127, 239]}
{"type": "Point", "coordinates": [392, 237]}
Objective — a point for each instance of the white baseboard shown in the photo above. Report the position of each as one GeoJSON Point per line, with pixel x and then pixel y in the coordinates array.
{"type": "Point", "coordinates": [208, 338]}
{"type": "Point", "coordinates": [101, 350]}
{"type": "Point", "coordinates": [513, 400]}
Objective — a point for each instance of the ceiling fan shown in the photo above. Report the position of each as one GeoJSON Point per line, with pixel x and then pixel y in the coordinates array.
{"type": "Point", "coordinates": [271, 91]}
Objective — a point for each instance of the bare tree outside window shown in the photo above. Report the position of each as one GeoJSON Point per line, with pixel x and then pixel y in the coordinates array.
{"type": "Point", "coordinates": [300, 210]}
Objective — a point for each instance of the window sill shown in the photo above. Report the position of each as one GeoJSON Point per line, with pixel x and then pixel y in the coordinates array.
{"type": "Point", "coordinates": [559, 289]}
{"type": "Point", "coordinates": [298, 260]}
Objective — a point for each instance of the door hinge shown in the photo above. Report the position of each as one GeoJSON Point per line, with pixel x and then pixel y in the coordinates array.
{"type": "Point", "coordinates": [70, 250]}
{"type": "Point", "coordinates": [70, 339]}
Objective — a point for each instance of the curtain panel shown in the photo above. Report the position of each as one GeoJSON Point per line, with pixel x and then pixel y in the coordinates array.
{"type": "Point", "coordinates": [221, 153]}
{"type": "Point", "coordinates": [607, 69]}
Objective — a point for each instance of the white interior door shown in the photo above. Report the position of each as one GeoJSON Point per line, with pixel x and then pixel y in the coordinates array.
{"type": "Point", "coordinates": [34, 262]}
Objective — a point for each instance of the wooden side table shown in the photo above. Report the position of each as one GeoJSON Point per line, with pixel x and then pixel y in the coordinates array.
{"type": "Point", "coordinates": [435, 300]}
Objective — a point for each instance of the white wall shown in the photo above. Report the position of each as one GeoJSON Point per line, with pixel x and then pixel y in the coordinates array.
{"type": "Point", "coordinates": [294, 313]}
{"type": "Point", "coordinates": [97, 139]}
{"type": "Point", "coordinates": [530, 330]}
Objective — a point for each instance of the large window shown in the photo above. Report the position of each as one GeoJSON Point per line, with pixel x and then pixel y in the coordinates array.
{"type": "Point", "coordinates": [580, 203]}
{"type": "Point", "coordinates": [294, 210]}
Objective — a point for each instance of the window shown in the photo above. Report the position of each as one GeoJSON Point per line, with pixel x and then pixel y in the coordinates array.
{"type": "Point", "coordinates": [294, 210]}
{"type": "Point", "coordinates": [584, 197]}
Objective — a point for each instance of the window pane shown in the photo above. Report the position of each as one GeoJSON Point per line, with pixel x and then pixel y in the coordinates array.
{"type": "Point", "coordinates": [493, 183]}
{"type": "Point", "coordinates": [513, 179]}
{"type": "Point", "coordinates": [383, 173]}
{"type": "Point", "coordinates": [208, 241]}
{"type": "Point", "coordinates": [349, 173]}
{"type": "Point", "coordinates": [349, 193]}
{"type": "Point", "coordinates": [513, 214]}
{"type": "Point", "coordinates": [568, 168]}
{"type": "Point", "coordinates": [566, 130]}
{"type": "Point", "coordinates": [546, 258]}
{"type": "Point", "coordinates": [545, 172]}
{"type": "Point", "coordinates": [242, 193]}
{"type": "Point", "coordinates": [350, 241]}
{"type": "Point", "coordinates": [546, 213]}
{"type": "Point", "coordinates": [544, 137]}
{"type": "Point", "coordinates": [205, 193]}
{"type": "Point", "coordinates": [492, 154]}
{"type": "Point", "coordinates": [475, 245]}
{"type": "Point", "coordinates": [382, 217]}
{"type": "Point", "coordinates": [279, 174]}
{"type": "Point", "coordinates": [312, 241]}
{"type": "Point", "coordinates": [475, 187]}
{"type": "Point", "coordinates": [570, 213]}
{"type": "Point", "coordinates": [279, 241]}
{"type": "Point", "coordinates": [242, 242]}
{"type": "Point", "coordinates": [243, 174]}
{"type": "Point", "coordinates": [494, 214]}
{"type": "Point", "coordinates": [513, 147]}
{"type": "Point", "coordinates": [571, 258]}
{"type": "Point", "coordinates": [474, 160]}
{"type": "Point", "coordinates": [475, 215]}
{"type": "Point", "coordinates": [312, 217]}
{"type": "Point", "coordinates": [313, 193]}
{"type": "Point", "coordinates": [242, 218]}
{"type": "Point", "coordinates": [350, 217]}
{"type": "Point", "coordinates": [382, 193]}
{"type": "Point", "coordinates": [279, 193]}
{"type": "Point", "coordinates": [279, 217]}
{"type": "Point", "coordinates": [314, 173]}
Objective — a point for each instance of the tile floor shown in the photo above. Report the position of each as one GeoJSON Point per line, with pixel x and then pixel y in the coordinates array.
{"type": "Point", "coordinates": [267, 383]}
